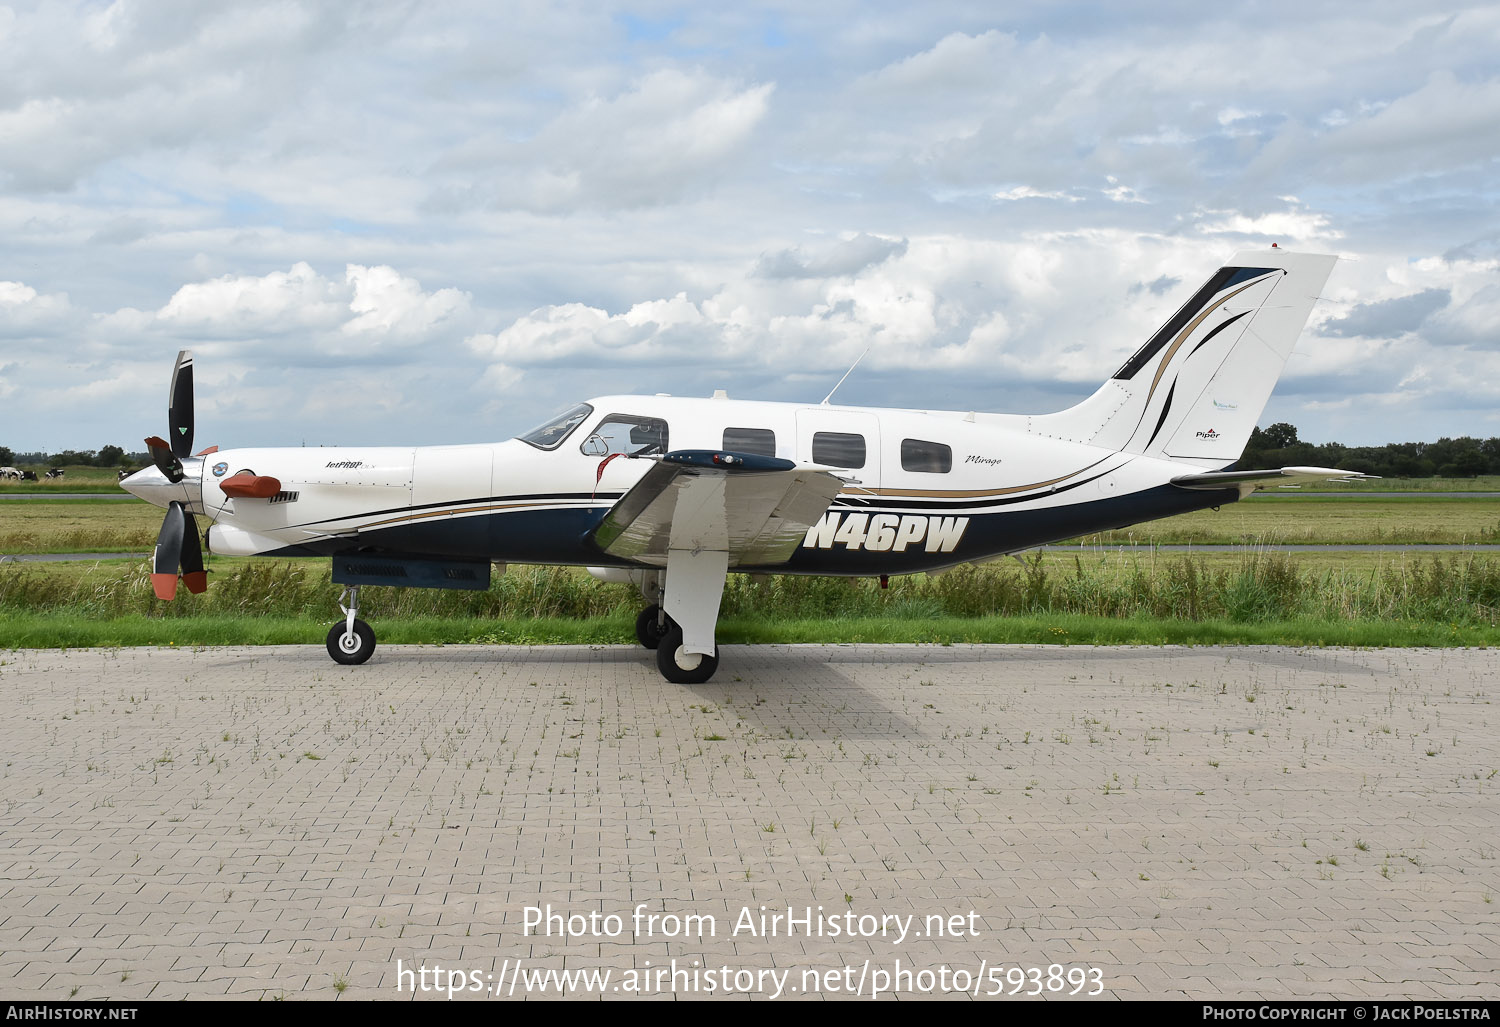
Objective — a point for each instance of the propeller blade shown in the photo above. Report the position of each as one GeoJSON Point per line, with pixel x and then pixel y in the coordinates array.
{"type": "Point", "coordinates": [165, 460]}
{"type": "Point", "coordinates": [168, 554]}
{"type": "Point", "coordinates": [180, 405]}
{"type": "Point", "coordinates": [193, 574]}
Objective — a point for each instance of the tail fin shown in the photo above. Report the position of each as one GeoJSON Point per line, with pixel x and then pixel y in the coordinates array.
{"type": "Point", "coordinates": [1197, 387]}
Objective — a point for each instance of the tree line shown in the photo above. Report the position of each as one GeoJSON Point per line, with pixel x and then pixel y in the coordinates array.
{"type": "Point", "coordinates": [105, 456]}
{"type": "Point", "coordinates": [1466, 457]}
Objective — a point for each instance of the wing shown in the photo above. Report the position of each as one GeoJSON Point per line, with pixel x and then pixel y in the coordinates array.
{"type": "Point", "coordinates": [1248, 481]}
{"type": "Point", "coordinates": [755, 508]}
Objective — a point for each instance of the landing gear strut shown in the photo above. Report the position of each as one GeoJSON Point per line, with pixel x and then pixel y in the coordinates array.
{"type": "Point", "coordinates": [351, 640]}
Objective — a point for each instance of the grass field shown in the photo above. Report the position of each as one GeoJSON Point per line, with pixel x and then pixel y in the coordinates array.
{"type": "Point", "coordinates": [1100, 595]}
{"type": "Point", "coordinates": [1353, 598]}
{"type": "Point", "coordinates": [1312, 519]}
{"type": "Point", "coordinates": [77, 479]}
{"type": "Point", "coordinates": [78, 526]}
{"type": "Point", "coordinates": [84, 526]}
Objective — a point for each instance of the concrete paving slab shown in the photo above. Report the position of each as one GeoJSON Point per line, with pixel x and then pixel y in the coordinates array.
{"type": "Point", "coordinates": [1167, 822]}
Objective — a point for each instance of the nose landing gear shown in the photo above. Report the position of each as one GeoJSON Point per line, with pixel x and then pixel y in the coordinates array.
{"type": "Point", "coordinates": [350, 641]}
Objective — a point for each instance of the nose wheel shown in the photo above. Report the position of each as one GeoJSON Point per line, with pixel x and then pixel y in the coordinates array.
{"type": "Point", "coordinates": [351, 641]}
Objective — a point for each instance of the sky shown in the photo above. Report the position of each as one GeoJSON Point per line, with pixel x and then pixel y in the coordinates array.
{"type": "Point", "coordinates": [412, 223]}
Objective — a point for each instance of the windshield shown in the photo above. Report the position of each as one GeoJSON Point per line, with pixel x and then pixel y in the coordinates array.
{"type": "Point", "coordinates": [551, 433]}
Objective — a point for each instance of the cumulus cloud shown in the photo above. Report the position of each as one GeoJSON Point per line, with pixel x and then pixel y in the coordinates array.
{"type": "Point", "coordinates": [529, 201]}
{"type": "Point", "coordinates": [850, 256]}
{"type": "Point", "coordinates": [669, 135]}
{"type": "Point", "coordinates": [1474, 322]}
{"type": "Point", "coordinates": [374, 304]}
{"type": "Point", "coordinates": [1041, 310]}
{"type": "Point", "coordinates": [1387, 319]}
{"type": "Point", "coordinates": [26, 313]}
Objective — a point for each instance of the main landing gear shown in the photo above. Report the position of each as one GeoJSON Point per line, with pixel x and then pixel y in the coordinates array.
{"type": "Point", "coordinates": [655, 630]}
{"type": "Point", "coordinates": [696, 600]}
{"type": "Point", "coordinates": [351, 640]}
{"type": "Point", "coordinates": [678, 665]}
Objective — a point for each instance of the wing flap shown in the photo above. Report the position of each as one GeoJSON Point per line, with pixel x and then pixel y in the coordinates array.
{"type": "Point", "coordinates": [756, 509]}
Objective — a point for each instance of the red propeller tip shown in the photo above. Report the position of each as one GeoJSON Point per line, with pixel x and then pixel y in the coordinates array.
{"type": "Point", "coordinates": [164, 585]}
{"type": "Point", "coordinates": [196, 581]}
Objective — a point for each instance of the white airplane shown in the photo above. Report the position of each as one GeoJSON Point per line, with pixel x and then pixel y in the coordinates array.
{"type": "Point", "coordinates": [673, 494]}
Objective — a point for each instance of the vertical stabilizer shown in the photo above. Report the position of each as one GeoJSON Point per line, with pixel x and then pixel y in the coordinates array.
{"type": "Point", "coordinates": [1197, 387]}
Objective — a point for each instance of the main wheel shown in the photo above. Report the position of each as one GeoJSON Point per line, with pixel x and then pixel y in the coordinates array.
{"type": "Point", "coordinates": [679, 667]}
{"type": "Point", "coordinates": [350, 649]}
{"type": "Point", "coordinates": [648, 629]}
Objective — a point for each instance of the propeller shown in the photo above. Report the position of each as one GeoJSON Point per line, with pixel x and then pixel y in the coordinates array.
{"type": "Point", "coordinates": [177, 547]}
{"type": "Point", "coordinates": [167, 456]}
{"type": "Point", "coordinates": [180, 405]}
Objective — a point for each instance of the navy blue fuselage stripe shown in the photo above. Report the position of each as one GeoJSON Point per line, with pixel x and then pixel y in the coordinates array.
{"type": "Point", "coordinates": [559, 497]}
{"type": "Point", "coordinates": [559, 536]}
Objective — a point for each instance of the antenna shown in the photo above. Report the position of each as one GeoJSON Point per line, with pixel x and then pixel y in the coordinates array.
{"type": "Point", "coordinates": [841, 380]}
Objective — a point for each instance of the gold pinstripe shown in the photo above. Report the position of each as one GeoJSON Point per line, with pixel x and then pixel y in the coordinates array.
{"type": "Point", "coordinates": [1182, 336]}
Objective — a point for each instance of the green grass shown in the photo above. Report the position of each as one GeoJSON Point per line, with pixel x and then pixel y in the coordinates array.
{"type": "Point", "coordinates": [1479, 483]}
{"type": "Point", "coordinates": [85, 526]}
{"type": "Point", "coordinates": [78, 526]}
{"type": "Point", "coordinates": [1240, 598]}
{"type": "Point", "coordinates": [1328, 520]}
{"type": "Point", "coordinates": [77, 479]}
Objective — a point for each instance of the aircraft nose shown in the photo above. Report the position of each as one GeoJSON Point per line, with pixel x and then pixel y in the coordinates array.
{"type": "Point", "coordinates": [151, 485]}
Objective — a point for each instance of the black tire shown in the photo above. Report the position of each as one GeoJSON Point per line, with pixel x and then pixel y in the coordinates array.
{"type": "Point", "coordinates": [648, 629]}
{"type": "Point", "coordinates": [667, 656]}
{"type": "Point", "coordinates": [359, 647]}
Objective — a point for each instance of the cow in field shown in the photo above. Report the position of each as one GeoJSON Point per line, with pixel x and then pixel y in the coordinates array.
{"type": "Point", "coordinates": [28, 476]}
{"type": "Point", "coordinates": [56, 472]}
{"type": "Point", "coordinates": [10, 472]}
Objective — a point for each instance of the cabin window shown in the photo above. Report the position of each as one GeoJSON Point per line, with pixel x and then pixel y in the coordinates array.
{"type": "Point", "coordinates": [756, 441]}
{"type": "Point", "coordinates": [552, 433]}
{"type": "Point", "coordinates": [627, 434]}
{"type": "Point", "coordinates": [928, 457]}
{"type": "Point", "coordinates": [837, 449]}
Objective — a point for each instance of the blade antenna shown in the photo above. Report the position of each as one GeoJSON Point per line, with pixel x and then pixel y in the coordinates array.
{"type": "Point", "coordinates": [846, 375]}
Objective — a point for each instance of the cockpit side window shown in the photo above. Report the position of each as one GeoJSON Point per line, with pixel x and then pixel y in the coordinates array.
{"type": "Point", "coordinates": [555, 430]}
{"type": "Point", "coordinates": [627, 434]}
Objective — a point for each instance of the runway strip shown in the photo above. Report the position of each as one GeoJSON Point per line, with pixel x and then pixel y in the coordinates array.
{"type": "Point", "coordinates": [1190, 822]}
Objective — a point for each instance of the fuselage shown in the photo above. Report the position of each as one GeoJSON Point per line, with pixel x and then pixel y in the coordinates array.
{"type": "Point", "coordinates": [923, 489]}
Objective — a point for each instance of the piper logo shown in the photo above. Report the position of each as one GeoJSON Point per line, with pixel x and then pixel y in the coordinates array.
{"type": "Point", "coordinates": [886, 532]}
{"type": "Point", "coordinates": [1210, 434]}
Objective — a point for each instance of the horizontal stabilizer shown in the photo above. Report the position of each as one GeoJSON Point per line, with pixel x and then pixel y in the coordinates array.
{"type": "Point", "coordinates": [1249, 481]}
